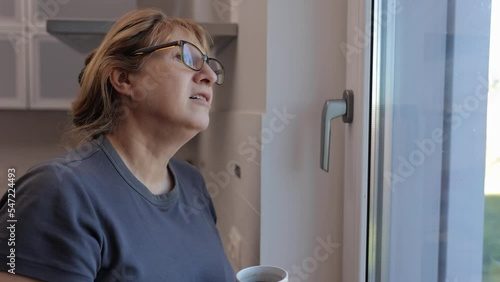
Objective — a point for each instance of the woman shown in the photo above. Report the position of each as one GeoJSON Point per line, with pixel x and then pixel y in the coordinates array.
{"type": "Point", "coordinates": [119, 207]}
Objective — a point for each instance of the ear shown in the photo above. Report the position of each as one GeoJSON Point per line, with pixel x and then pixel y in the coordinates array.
{"type": "Point", "coordinates": [119, 78]}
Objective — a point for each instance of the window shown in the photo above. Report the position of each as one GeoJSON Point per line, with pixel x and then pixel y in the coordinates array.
{"type": "Point", "coordinates": [435, 162]}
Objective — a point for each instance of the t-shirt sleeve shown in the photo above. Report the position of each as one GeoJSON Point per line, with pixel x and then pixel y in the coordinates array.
{"type": "Point", "coordinates": [56, 236]}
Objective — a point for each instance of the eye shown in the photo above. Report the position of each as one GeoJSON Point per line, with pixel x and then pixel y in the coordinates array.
{"type": "Point", "coordinates": [178, 56]}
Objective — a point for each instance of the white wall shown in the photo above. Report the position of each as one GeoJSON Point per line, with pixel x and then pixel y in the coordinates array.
{"type": "Point", "coordinates": [302, 205]}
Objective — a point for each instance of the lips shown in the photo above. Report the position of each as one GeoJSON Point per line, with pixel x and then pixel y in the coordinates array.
{"type": "Point", "coordinates": [201, 96]}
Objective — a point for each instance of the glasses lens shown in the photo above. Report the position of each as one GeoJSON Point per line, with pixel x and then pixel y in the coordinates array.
{"type": "Point", "coordinates": [218, 69]}
{"type": "Point", "coordinates": [192, 56]}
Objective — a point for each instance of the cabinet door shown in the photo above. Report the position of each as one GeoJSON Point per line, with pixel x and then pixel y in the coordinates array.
{"type": "Point", "coordinates": [11, 13]}
{"type": "Point", "coordinates": [12, 70]}
{"type": "Point", "coordinates": [54, 69]}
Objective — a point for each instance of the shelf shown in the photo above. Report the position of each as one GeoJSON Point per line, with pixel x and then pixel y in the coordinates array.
{"type": "Point", "coordinates": [84, 35]}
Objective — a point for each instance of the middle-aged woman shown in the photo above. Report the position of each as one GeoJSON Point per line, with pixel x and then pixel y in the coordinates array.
{"type": "Point", "coordinates": [119, 207]}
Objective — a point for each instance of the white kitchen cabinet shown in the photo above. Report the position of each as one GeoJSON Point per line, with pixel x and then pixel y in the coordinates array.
{"type": "Point", "coordinates": [53, 65]}
{"type": "Point", "coordinates": [37, 71]}
{"type": "Point", "coordinates": [12, 70]}
{"type": "Point", "coordinates": [11, 13]}
{"type": "Point", "coordinates": [13, 55]}
{"type": "Point", "coordinates": [53, 72]}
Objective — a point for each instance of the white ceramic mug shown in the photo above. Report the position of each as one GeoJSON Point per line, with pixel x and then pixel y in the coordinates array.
{"type": "Point", "coordinates": [262, 273]}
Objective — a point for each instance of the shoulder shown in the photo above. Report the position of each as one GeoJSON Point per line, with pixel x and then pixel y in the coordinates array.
{"type": "Point", "coordinates": [53, 194]}
{"type": "Point", "coordinates": [58, 174]}
{"type": "Point", "coordinates": [76, 161]}
{"type": "Point", "coordinates": [60, 227]}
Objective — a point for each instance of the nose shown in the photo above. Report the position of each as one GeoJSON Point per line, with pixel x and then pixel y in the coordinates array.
{"type": "Point", "coordinates": [205, 75]}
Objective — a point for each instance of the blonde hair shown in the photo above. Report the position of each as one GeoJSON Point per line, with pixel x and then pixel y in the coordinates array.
{"type": "Point", "coordinates": [96, 109]}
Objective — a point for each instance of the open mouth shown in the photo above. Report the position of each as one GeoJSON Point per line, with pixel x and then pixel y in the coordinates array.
{"type": "Point", "coordinates": [199, 97]}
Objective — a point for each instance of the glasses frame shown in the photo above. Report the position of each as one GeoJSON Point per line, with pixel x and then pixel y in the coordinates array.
{"type": "Point", "coordinates": [181, 43]}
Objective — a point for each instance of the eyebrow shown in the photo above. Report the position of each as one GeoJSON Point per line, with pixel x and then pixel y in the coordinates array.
{"type": "Point", "coordinates": [150, 49]}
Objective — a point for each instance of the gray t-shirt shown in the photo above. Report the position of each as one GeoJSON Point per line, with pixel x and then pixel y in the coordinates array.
{"type": "Point", "coordinates": [85, 217]}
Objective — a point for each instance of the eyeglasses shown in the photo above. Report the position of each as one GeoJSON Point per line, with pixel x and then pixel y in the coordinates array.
{"type": "Point", "coordinates": [191, 56]}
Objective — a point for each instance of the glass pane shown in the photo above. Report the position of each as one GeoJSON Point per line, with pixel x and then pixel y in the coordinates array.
{"type": "Point", "coordinates": [435, 166]}
{"type": "Point", "coordinates": [7, 9]}
{"type": "Point", "coordinates": [59, 78]}
{"type": "Point", "coordinates": [491, 249]}
{"type": "Point", "coordinates": [8, 67]}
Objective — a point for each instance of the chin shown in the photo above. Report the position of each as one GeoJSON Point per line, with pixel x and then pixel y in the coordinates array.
{"type": "Point", "coordinates": [201, 124]}
{"type": "Point", "coordinates": [205, 125]}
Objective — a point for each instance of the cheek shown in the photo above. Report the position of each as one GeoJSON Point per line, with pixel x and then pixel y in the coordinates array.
{"type": "Point", "coordinates": [164, 82]}
{"type": "Point", "coordinates": [145, 85]}
{"type": "Point", "coordinates": [145, 89]}
{"type": "Point", "coordinates": [175, 85]}
{"type": "Point", "coordinates": [153, 75]}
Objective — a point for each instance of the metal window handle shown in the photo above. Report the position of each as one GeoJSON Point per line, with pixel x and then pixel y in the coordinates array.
{"type": "Point", "coordinates": [333, 109]}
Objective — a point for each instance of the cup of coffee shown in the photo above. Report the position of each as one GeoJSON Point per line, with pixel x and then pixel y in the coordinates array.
{"type": "Point", "coordinates": [262, 273]}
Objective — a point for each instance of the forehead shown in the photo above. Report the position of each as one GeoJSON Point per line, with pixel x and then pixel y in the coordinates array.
{"type": "Point", "coordinates": [180, 33]}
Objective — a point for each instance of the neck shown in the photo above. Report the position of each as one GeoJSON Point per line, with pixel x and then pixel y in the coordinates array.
{"type": "Point", "coordinates": [147, 153]}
